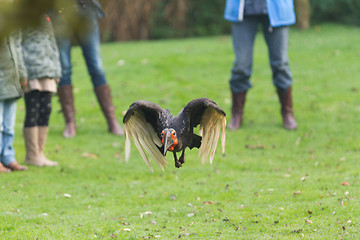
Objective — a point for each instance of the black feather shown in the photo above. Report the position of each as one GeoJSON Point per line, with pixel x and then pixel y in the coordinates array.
{"type": "Point", "coordinates": [188, 119]}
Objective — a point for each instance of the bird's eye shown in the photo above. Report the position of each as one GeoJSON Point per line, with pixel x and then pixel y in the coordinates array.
{"type": "Point", "coordinates": [162, 134]}
{"type": "Point", "coordinates": [173, 134]}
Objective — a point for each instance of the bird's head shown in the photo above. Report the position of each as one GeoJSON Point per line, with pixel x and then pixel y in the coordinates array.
{"type": "Point", "coordinates": [169, 139]}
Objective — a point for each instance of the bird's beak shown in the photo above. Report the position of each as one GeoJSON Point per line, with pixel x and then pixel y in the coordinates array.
{"type": "Point", "coordinates": [168, 142]}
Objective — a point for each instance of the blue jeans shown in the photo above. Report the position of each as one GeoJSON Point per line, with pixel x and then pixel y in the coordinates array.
{"type": "Point", "coordinates": [243, 34]}
{"type": "Point", "coordinates": [90, 45]}
{"type": "Point", "coordinates": [7, 125]}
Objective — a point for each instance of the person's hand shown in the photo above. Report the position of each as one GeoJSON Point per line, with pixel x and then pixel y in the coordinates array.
{"type": "Point", "coordinates": [24, 82]}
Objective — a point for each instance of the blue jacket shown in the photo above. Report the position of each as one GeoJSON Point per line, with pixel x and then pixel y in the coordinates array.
{"type": "Point", "coordinates": [280, 12]}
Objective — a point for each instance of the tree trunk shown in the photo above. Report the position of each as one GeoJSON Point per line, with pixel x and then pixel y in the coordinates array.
{"type": "Point", "coordinates": [126, 19]}
{"type": "Point", "coordinates": [302, 9]}
{"type": "Point", "coordinates": [132, 19]}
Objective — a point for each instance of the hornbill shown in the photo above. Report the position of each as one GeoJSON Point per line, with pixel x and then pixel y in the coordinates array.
{"type": "Point", "coordinates": [157, 131]}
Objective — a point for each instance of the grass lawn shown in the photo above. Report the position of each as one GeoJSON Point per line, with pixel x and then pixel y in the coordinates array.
{"type": "Point", "coordinates": [272, 183]}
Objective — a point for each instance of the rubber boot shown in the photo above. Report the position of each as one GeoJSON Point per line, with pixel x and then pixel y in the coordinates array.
{"type": "Point", "coordinates": [238, 103]}
{"type": "Point", "coordinates": [66, 98]}
{"type": "Point", "coordinates": [43, 132]}
{"type": "Point", "coordinates": [287, 111]}
{"type": "Point", "coordinates": [103, 94]}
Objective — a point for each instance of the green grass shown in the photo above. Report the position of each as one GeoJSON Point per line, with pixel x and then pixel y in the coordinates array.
{"type": "Point", "coordinates": [250, 193]}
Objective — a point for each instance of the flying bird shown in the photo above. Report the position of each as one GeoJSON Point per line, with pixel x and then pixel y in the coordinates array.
{"type": "Point", "coordinates": [156, 131]}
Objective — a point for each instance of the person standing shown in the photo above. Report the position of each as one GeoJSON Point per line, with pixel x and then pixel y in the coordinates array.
{"type": "Point", "coordinates": [12, 77]}
{"type": "Point", "coordinates": [43, 67]}
{"type": "Point", "coordinates": [89, 41]}
{"type": "Point", "coordinates": [275, 18]}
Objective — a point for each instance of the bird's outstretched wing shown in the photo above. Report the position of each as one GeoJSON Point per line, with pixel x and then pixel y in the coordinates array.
{"type": "Point", "coordinates": [212, 120]}
{"type": "Point", "coordinates": [141, 123]}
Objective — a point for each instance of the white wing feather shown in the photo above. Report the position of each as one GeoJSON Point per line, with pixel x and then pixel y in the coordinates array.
{"type": "Point", "coordinates": [212, 123]}
{"type": "Point", "coordinates": [145, 138]}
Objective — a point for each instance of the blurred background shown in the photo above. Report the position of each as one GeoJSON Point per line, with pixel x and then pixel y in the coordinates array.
{"type": "Point", "coordinates": [128, 20]}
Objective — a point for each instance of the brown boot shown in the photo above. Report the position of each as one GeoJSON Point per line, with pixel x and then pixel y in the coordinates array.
{"type": "Point", "coordinates": [66, 98]}
{"type": "Point", "coordinates": [33, 156]}
{"type": "Point", "coordinates": [4, 169]}
{"type": "Point", "coordinates": [43, 132]}
{"type": "Point", "coordinates": [103, 94]}
{"type": "Point", "coordinates": [31, 145]}
{"type": "Point", "coordinates": [15, 166]}
{"type": "Point", "coordinates": [238, 103]}
{"type": "Point", "coordinates": [285, 98]}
